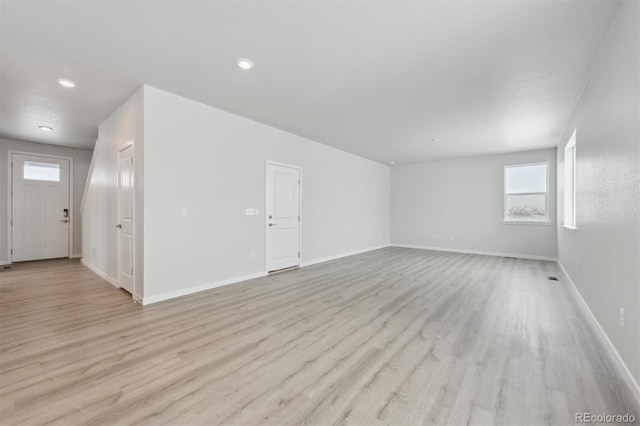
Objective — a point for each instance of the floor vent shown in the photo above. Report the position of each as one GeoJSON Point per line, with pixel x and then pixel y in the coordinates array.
{"type": "Point", "coordinates": [508, 257]}
{"type": "Point", "coordinates": [552, 278]}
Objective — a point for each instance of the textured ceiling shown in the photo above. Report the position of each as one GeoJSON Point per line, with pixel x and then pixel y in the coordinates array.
{"type": "Point", "coordinates": [380, 79]}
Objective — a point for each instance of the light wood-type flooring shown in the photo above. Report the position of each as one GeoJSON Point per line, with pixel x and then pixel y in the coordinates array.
{"type": "Point", "coordinates": [393, 336]}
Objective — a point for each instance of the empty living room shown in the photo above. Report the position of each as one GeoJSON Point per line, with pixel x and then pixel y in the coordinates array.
{"type": "Point", "coordinates": [319, 212]}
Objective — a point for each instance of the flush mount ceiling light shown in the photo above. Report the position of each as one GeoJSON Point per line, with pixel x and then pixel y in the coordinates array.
{"type": "Point", "coordinates": [65, 82]}
{"type": "Point", "coordinates": [244, 63]}
{"type": "Point", "coordinates": [45, 128]}
{"type": "Point", "coordinates": [392, 163]}
{"type": "Point", "coordinates": [435, 140]}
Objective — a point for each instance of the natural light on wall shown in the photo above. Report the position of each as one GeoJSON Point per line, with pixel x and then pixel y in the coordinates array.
{"type": "Point", "coordinates": [526, 198]}
{"type": "Point", "coordinates": [570, 183]}
{"type": "Point", "coordinates": [42, 171]}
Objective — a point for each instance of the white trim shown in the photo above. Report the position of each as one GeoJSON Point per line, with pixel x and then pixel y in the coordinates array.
{"type": "Point", "coordinates": [75, 256]}
{"type": "Point", "coordinates": [505, 219]}
{"type": "Point", "coordinates": [9, 206]}
{"type": "Point", "coordinates": [191, 290]}
{"type": "Point", "coordinates": [570, 228]}
{"type": "Point", "coordinates": [571, 145]}
{"type": "Point", "coordinates": [266, 218]}
{"type": "Point", "coordinates": [338, 256]}
{"type": "Point", "coordinates": [123, 147]}
{"type": "Point", "coordinates": [620, 364]}
{"type": "Point", "coordinates": [10, 154]}
{"type": "Point", "coordinates": [526, 222]}
{"type": "Point", "coordinates": [100, 273]}
{"type": "Point", "coordinates": [481, 252]}
{"type": "Point", "coordinates": [72, 220]}
{"type": "Point", "coordinates": [4, 262]}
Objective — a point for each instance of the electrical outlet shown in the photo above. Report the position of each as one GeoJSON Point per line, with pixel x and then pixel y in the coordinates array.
{"type": "Point", "coordinates": [94, 252]}
{"type": "Point", "coordinates": [451, 237]}
{"type": "Point", "coordinates": [433, 236]}
{"type": "Point", "coordinates": [184, 210]}
{"type": "Point", "coordinates": [621, 317]}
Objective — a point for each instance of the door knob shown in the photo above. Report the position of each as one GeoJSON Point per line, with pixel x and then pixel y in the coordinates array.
{"type": "Point", "coordinates": [119, 226]}
{"type": "Point", "coordinates": [271, 224]}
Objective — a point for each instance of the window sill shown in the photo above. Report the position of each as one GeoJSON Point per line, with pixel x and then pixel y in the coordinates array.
{"type": "Point", "coordinates": [524, 222]}
{"type": "Point", "coordinates": [570, 228]}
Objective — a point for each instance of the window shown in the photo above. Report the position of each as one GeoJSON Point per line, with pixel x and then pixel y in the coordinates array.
{"type": "Point", "coordinates": [526, 193]}
{"type": "Point", "coordinates": [570, 183]}
{"type": "Point", "coordinates": [42, 171]}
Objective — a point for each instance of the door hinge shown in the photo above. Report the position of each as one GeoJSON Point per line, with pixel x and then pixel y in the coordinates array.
{"type": "Point", "coordinates": [298, 181]}
{"type": "Point", "coordinates": [11, 251]}
{"type": "Point", "coordinates": [131, 271]}
{"type": "Point", "coordinates": [298, 218]}
{"type": "Point", "coordinates": [298, 254]}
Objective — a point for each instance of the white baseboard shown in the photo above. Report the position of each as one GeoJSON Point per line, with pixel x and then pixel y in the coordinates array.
{"type": "Point", "coordinates": [4, 262]}
{"type": "Point", "coordinates": [351, 253]}
{"type": "Point", "coordinates": [75, 256]}
{"type": "Point", "coordinates": [147, 300]}
{"type": "Point", "coordinates": [100, 273]}
{"type": "Point", "coordinates": [613, 352]}
{"type": "Point", "coordinates": [485, 253]}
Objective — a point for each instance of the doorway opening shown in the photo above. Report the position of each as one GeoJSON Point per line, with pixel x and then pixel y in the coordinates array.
{"type": "Point", "coordinates": [39, 208]}
{"type": "Point", "coordinates": [125, 226]}
{"type": "Point", "coordinates": [282, 213]}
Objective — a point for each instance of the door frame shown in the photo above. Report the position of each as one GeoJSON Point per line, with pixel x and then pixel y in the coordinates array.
{"type": "Point", "coordinates": [264, 209]}
{"type": "Point", "coordinates": [121, 148]}
{"type": "Point", "coordinates": [10, 155]}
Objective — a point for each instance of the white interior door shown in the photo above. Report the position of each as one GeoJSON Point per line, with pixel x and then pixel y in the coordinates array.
{"type": "Point", "coordinates": [283, 217]}
{"type": "Point", "coordinates": [40, 207]}
{"type": "Point", "coordinates": [125, 219]}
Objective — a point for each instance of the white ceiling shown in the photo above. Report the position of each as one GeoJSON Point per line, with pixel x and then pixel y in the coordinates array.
{"type": "Point", "coordinates": [377, 78]}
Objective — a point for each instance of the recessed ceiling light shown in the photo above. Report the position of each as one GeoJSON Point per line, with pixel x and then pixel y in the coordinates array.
{"type": "Point", "coordinates": [66, 82]}
{"type": "Point", "coordinates": [435, 140]}
{"type": "Point", "coordinates": [245, 64]}
{"type": "Point", "coordinates": [45, 128]}
{"type": "Point", "coordinates": [392, 163]}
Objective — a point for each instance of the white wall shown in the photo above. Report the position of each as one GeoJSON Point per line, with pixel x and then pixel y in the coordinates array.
{"type": "Point", "coordinates": [99, 217]}
{"type": "Point", "coordinates": [81, 160]}
{"type": "Point", "coordinates": [213, 162]}
{"type": "Point", "coordinates": [603, 256]}
{"type": "Point", "coordinates": [463, 198]}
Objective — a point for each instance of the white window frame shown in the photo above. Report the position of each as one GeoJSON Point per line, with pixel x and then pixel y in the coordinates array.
{"type": "Point", "coordinates": [569, 220]}
{"type": "Point", "coordinates": [506, 219]}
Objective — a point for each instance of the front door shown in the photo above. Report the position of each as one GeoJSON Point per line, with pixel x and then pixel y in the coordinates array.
{"type": "Point", "coordinates": [40, 207]}
{"type": "Point", "coordinates": [125, 219]}
{"type": "Point", "coordinates": [283, 217]}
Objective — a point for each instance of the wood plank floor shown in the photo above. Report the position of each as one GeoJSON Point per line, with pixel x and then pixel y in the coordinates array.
{"type": "Point", "coordinates": [393, 336]}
